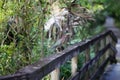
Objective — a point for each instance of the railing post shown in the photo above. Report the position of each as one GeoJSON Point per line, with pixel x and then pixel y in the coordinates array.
{"type": "Point", "coordinates": [96, 49]}
{"type": "Point", "coordinates": [109, 39]}
{"type": "Point", "coordinates": [112, 54]}
{"type": "Point", "coordinates": [103, 44]}
{"type": "Point", "coordinates": [87, 55]}
{"type": "Point", "coordinates": [55, 74]}
{"type": "Point", "coordinates": [107, 42]}
{"type": "Point", "coordinates": [74, 62]}
{"type": "Point", "coordinates": [113, 43]}
{"type": "Point", "coordinates": [87, 58]}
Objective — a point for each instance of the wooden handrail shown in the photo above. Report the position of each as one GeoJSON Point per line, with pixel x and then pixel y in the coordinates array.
{"type": "Point", "coordinates": [92, 62]}
{"type": "Point", "coordinates": [45, 66]}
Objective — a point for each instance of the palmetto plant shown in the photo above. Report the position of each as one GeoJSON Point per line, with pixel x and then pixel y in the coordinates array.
{"type": "Point", "coordinates": [65, 20]}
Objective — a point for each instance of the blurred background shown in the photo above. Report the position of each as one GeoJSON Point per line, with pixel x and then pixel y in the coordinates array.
{"type": "Point", "coordinates": [33, 29]}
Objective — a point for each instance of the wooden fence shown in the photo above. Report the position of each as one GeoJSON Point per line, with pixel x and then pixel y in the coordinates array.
{"type": "Point", "coordinates": [103, 46]}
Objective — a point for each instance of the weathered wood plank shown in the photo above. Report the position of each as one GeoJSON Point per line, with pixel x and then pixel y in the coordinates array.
{"type": "Point", "coordinates": [74, 66]}
{"type": "Point", "coordinates": [55, 74]}
{"type": "Point", "coordinates": [87, 59]}
{"type": "Point", "coordinates": [14, 77]}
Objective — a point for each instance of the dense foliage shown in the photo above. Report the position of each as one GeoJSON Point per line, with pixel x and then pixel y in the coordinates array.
{"type": "Point", "coordinates": [24, 38]}
{"type": "Point", "coordinates": [21, 26]}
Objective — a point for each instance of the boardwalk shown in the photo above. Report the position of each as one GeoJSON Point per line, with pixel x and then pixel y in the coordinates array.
{"type": "Point", "coordinates": [113, 71]}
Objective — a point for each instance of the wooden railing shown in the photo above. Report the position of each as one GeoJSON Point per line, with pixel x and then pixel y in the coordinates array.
{"type": "Point", "coordinates": [103, 47]}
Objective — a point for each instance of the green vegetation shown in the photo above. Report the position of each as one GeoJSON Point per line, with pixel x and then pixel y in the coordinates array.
{"type": "Point", "coordinates": [24, 39]}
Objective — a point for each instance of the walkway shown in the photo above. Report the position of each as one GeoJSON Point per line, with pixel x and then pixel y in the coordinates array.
{"type": "Point", "coordinates": [113, 71]}
{"type": "Point", "coordinates": [109, 24]}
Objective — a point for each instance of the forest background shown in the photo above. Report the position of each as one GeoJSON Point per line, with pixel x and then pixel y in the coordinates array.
{"type": "Point", "coordinates": [33, 29]}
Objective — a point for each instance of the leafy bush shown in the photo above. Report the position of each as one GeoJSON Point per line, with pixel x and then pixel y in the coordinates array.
{"type": "Point", "coordinates": [29, 42]}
